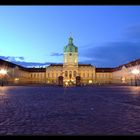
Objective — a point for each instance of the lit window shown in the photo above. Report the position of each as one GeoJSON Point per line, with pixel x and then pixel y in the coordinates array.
{"type": "Point", "coordinates": [74, 73]}
{"type": "Point", "coordinates": [90, 81]}
{"type": "Point", "coordinates": [70, 74]}
{"type": "Point", "coordinates": [83, 74]}
{"type": "Point", "coordinates": [66, 73]}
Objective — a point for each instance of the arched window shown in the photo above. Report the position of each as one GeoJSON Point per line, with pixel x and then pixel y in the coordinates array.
{"type": "Point", "coordinates": [74, 73]}
{"type": "Point", "coordinates": [83, 74]}
{"type": "Point", "coordinates": [70, 74]}
{"type": "Point", "coordinates": [66, 73]}
{"type": "Point", "coordinates": [48, 75]}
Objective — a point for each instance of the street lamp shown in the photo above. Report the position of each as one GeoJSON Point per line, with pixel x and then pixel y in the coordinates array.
{"type": "Point", "coordinates": [135, 72]}
{"type": "Point", "coordinates": [3, 72]}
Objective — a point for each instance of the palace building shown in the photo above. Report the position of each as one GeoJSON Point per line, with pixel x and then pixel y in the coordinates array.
{"type": "Point", "coordinates": [70, 72]}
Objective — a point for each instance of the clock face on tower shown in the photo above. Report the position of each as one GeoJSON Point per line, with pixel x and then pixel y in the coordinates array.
{"type": "Point", "coordinates": [70, 54]}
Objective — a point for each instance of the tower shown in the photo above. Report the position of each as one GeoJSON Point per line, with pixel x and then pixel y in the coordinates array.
{"type": "Point", "coordinates": [70, 65]}
{"type": "Point", "coordinates": [70, 54]}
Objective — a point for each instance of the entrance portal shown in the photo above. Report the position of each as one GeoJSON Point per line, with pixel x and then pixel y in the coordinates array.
{"type": "Point", "coordinates": [60, 80]}
{"type": "Point", "coordinates": [78, 80]}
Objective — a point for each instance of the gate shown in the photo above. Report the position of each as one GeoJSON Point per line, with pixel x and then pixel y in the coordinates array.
{"type": "Point", "coordinates": [60, 80]}
{"type": "Point", "coordinates": [78, 80]}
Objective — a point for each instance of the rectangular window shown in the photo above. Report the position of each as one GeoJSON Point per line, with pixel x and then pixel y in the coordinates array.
{"type": "Point", "coordinates": [103, 75]}
{"type": "Point", "coordinates": [83, 74]}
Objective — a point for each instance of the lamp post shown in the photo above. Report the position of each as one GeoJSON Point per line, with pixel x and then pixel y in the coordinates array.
{"type": "Point", "coordinates": [3, 72]}
{"type": "Point", "coordinates": [135, 72]}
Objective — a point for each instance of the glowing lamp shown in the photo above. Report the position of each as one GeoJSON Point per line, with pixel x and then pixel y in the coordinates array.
{"type": "Point", "coordinates": [3, 71]}
{"type": "Point", "coordinates": [90, 81]}
{"type": "Point", "coordinates": [135, 71]}
{"type": "Point", "coordinates": [16, 79]}
{"type": "Point", "coordinates": [66, 83]}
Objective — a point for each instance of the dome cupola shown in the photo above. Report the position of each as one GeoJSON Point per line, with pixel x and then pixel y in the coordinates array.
{"type": "Point", "coordinates": [70, 47]}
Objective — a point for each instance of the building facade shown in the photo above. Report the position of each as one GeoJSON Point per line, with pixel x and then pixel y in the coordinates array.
{"type": "Point", "coordinates": [70, 72]}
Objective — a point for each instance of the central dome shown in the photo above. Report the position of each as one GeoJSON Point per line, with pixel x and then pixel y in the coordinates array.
{"type": "Point", "coordinates": [70, 47]}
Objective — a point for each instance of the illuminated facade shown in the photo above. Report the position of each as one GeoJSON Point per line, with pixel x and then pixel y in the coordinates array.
{"type": "Point", "coordinates": [70, 72]}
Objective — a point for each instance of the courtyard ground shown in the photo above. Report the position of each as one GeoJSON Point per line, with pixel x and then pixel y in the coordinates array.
{"type": "Point", "coordinates": [40, 110]}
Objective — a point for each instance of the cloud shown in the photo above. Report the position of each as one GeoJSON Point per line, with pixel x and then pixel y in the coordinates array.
{"type": "Point", "coordinates": [20, 61]}
{"type": "Point", "coordinates": [113, 53]}
{"type": "Point", "coordinates": [109, 54]}
{"type": "Point", "coordinates": [33, 64]}
{"type": "Point", "coordinates": [56, 54]}
{"type": "Point", "coordinates": [12, 58]}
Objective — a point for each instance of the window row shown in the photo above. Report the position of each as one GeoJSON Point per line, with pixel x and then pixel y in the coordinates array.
{"type": "Point", "coordinates": [18, 74]}
{"type": "Point", "coordinates": [104, 75]}
{"type": "Point", "coordinates": [52, 75]}
{"type": "Point", "coordinates": [86, 75]}
{"type": "Point", "coordinates": [37, 75]}
{"type": "Point", "coordinates": [70, 74]}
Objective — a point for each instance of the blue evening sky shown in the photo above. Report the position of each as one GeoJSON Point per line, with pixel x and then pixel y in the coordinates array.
{"type": "Point", "coordinates": [106, 36]}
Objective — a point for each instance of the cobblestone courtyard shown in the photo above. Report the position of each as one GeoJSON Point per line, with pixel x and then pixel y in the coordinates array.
{"type": "Point", "coordinates": [69, 111]}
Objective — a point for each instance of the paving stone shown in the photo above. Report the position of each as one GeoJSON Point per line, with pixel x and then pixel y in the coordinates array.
{"type": "Point", "coordinates": [102, 110]}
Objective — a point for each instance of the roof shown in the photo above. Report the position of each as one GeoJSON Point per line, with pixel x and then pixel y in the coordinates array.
{"type": "Point", "coordinates": [70, 47]}
{"type": "Point", "coordinates": [127, 65]}
{"type": "Point", "coordinates": [104, 69]}
{"type": "Point", "coordinates": [60, 64]}
{"type": "Point", "coordinates": [36, 69]}
{"type": "Point", "coordinates": [56, 64]}
{"type": "Point", "coordinates": [10, 64]}
{"type": "Point", "coordinates": [84, 65]}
